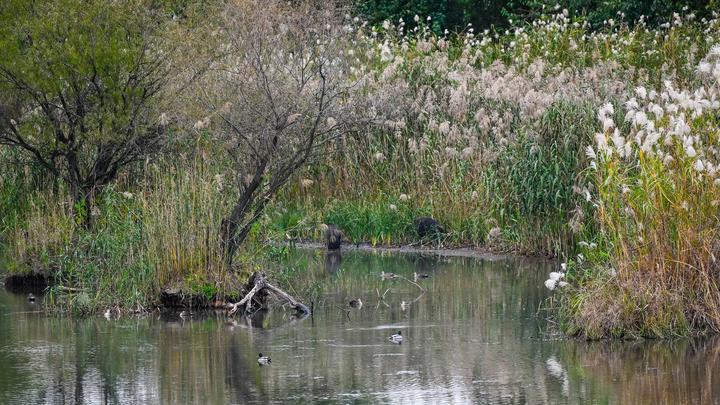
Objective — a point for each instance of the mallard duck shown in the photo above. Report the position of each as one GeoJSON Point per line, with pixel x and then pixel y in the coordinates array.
{"type": "Point", "coordinates": [356, 303]}
{"type": "Point", "coordinates": [396, 338]}
{"type": "Point", "coordinates": [31, 297]}
{"type": "Point", "coordinates": [263, 360]}
{"type": "Point", "coordinates": [333, 235]}
{"type": "Point", "coordinates": [420, 276]}
{"type": "Point", "coordinates": [387, 276]}
{"type": "Point", "coordinates": [108, 314]}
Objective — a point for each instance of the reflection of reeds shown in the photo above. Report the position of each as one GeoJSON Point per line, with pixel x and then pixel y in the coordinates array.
{"type": "Point", "coordinates": [648, 372]}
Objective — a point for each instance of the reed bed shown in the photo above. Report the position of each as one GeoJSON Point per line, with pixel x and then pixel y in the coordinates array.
{"type": "Point", "coordinates": [597, 145]}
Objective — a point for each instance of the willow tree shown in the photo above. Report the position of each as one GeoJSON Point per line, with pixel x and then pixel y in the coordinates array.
{"type": "Point", "coordinates": [79, 80]}
{"type": "Point", "coordinates": [279, 93]}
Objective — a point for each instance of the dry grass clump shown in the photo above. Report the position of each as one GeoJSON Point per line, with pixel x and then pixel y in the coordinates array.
{"type": "Point", "coordinates": [161, 232]}
{"type": "Point", "coordinates": [656, 189]}
{"type": "Point", "coordinates": [643, 306]}
{"type": "Point", "coordinates": [181, 219]}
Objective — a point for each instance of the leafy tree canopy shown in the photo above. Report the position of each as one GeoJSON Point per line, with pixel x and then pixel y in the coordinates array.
{"type": "Point", "coordinates": [456, 14]}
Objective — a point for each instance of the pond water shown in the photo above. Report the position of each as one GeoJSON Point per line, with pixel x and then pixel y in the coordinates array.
{"type": "Point", "coordinates": [477, 334]}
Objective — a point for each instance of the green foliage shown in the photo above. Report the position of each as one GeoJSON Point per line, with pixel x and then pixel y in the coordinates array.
{"type": "Point", "coordinates": [106, 263]}
{"type": "Point", "coordinates": [377, 11]}
{"type": "Point", "coordinates": [598, 12]}
{"type": "Point", "coordinates": [380, 222]}
{"type": "Point", "coordinates": [79, 81]}
{"type": "Point", "coordinates": [538, 174]}
{"type": "Point", "coordinates": [456, 14]}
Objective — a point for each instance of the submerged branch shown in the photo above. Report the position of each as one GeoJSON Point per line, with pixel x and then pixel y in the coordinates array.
{"type": "Point", "coordinates": [411, 282]}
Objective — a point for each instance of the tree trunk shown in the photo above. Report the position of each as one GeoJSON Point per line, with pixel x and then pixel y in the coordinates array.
{"type": "Point", "coordinates": [233, 234]}
{"type": "Point", "coordinates": [229, 236]}
{"type": "Point", "coordinates": [228, 228]}
{"type": "Point", "coordinates": [81, 193]}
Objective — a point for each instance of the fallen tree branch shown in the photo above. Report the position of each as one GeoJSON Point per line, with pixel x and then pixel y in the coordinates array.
{"type": "Point", "coordinates": [260, 283]}
{"type": "Point", "coordinates": [299, 306]}
{"type": "Point", "coordinates": [70, 289]}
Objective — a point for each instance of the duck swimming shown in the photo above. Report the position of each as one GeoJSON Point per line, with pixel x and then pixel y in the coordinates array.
{"type": "Point", "coordinates": [396, 338]}
{"type": "Point", "coordinates": [356, 303]}
{"type": "Point", "coordinates": [31, 297]}
{"type": "Point", "coordinates": [263, 360]}
{"type": "Point", "coordinates": [420, 276]}
{"type": "Point", "coordinates": [387, 276]}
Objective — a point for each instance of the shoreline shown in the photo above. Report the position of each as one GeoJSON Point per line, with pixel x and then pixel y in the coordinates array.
{"type": "Point", "coordinates": [461, 251]}
{"type": "Point", "coordinates": [174, 298]}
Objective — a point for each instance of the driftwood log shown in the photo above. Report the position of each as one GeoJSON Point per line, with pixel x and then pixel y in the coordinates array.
{"type": "Point", "coordinates": [260, 286]}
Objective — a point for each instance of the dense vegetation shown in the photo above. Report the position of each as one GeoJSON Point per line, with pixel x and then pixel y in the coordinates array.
{"type": "Point", "coordinates": [180, 149]}
{"type": "Point", "coordinates": [455, 15]}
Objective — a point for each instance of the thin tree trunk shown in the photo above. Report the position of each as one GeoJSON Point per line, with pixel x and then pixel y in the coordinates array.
{"type": "Point", "coordinates": [228, 228]}
{"type": "Point", "coordinates": [229, 236]}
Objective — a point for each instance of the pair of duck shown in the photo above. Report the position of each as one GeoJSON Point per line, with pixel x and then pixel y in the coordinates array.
{"type": "Point", "coordinates": [396, 338]}
{"type": "Point", "coordinates": [263, 360]}
{"type": "Point", "coordinates": [390, 276]}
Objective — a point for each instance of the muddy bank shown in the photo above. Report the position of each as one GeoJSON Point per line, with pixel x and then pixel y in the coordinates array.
{"type": "Point", "coordinates": [171, 297]}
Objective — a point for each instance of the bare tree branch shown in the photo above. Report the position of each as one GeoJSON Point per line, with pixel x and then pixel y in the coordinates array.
{"type": "Point", "coordinates": [276, 99]}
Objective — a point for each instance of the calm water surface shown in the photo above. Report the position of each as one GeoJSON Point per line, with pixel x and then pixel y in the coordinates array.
{"type": "Point", "coordinates": [478, 334]}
